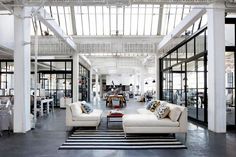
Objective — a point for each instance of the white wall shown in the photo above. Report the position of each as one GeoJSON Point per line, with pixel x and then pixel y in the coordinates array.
{"type": "Point", "coordinates": [123, 79]}
{"type": "Point", "coordinates": [7, 31]}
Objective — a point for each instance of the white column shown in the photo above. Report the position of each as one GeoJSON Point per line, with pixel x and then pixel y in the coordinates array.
{"type": "Point", "coordinates": [101, 90]}
{"type": "Point", "coordinates": [157, 74]}
{"type": "Point", "coordinates": [91, 84]}
{"type": "Point", "coordinates": [75, 77]}
{"type": "Point", "coordinates": [142, 83]}
{"type": "Point", "coordinates": [216, 68]}
{"type": "Point", "coordinates": [96, 85]}
{"type": "Point", "coordinates": [22, 71]}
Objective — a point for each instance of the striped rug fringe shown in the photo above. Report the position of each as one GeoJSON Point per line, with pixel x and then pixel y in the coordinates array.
{"type": "Point", "coordinates": [115, 139]}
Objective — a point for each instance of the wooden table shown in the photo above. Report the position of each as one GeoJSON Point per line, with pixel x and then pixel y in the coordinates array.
{"type": "Point", "coordinates": [120, 97]}
{"type": "Point", "coordinates": [114, 116]}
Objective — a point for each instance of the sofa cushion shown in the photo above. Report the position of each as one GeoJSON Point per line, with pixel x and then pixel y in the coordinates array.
{"type": "Point", "coordinates": [162, 111]}
{"type": "Point", "coordinates": [139, 120]}
{"type": "Point", "coordinates": [93, 116]}
{"type": "Point", "coordinates": [144, 111]}
{"type": "Point", "coordinates": [86, 108]}
{"type": "Point", "coordinates": [175, 114]}
{"type": "Point", "coordinates": [75, 110]}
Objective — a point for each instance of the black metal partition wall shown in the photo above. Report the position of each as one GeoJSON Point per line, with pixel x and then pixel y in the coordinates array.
{"type": "Point", "coordinates": [183, 73]}
{"type": "Point", "coordinates": [84, 83]}
{"type": "Point", "coordinates": [54, 76]}
{"type": "Point", "coordinates": [230, 56]}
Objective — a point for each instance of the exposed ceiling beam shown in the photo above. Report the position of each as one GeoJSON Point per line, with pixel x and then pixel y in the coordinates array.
{"type": "Point", "coordinates": [6, 51]}
{"type": "Point", "coordinates": [65, 19]}
{"type": "Point", "coordinates": [81, 15]}
{"type": "Point", "coordinates": [160, 19]}
{"type": "Point", "coordinates": [137, 20]}
{"type": "Point", "coordinates": [95, 8]}
{"type": "Point", "coordinates": [151, 19]}
{"type": "Point", "coordinates": [47, 20]}
{"type": "Point", "coordinates": [189, 20]}
{"type": "Point", "coordinates": [130, 20]}
{"type": "Point", "coordinates": [72, 9]}
{"type": "Point", "coordinates": [118, 3]}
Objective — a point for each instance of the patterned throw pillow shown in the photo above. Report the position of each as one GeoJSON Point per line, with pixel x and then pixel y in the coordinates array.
{"type": "Point", "coordinates": [86, 108]}
{"type": "Point", "coordinates": [154, 105]}
{"type": "Point", "coordinates": [162, 111]}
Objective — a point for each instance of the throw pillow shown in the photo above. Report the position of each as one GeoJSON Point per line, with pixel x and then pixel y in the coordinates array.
{"type": "Point", "coordinates": [175, 114]}
{"type": "Point", "coordinates": [149, 105]}
{"type": "Point", "coordinates": [162, 111]}
{"type": "Point", "coordinates": [154, 105]}
{"type": "Point", "coordinates": [75, 111]}
{"type": "Point", "coordinates": [86, 108]}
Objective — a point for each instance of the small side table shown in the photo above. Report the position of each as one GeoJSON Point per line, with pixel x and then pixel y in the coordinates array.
{"type": "Point", "coordinates": [113, 116]}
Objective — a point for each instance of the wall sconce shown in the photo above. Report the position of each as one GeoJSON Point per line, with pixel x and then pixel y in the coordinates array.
{"type": "Point", "coordinates": [153, 81]}
{"type": "Point", "coordinates": [146, 82]}
{"type": "Point", "coordinates": [130, 84]}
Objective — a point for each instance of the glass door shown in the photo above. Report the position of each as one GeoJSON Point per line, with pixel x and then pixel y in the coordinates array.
{"type": "Point", "coordinates": [230, 87]}
{"type": "Point", "coordinates": [179, 84]}
{"type": "Point", "coordinates": [56, 86]}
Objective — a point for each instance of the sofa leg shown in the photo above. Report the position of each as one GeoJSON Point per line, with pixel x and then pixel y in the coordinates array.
{"type": "Point", "coordinates": [185, 138]}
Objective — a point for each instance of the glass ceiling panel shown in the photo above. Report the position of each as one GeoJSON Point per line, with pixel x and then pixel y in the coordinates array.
{"type": "Point", "coordinates": [85, 20]}
{"type": "Point", "coordinates": [99, 20]}
{"type": "Point", "coordinates": [113, 20]}
{"type": "Point", "coordinates": [136, 19]}
{"type": "Point", "coordinates": [179, 13]}
{"type": "Point", "coordinates": [55, 14]}
{"type": "Point", "coordinates": [148, 20]}
{"type": "Point", "coordinates": [106, 20]}
{"type": "Point", "coordinates": [92, 20]}
{"type": "Point", "coordinates": [141, 20]}
{"type": "Point", "coordinates": [78, 21]}
{"type": "Point", "coordinates": [172, 16]}
{"type": "Point", "coordinates": [127, 20]}
{"type": "Point", "coordinates": [68, 20]}
{"type": "Point", "coordinates": [62, 18]}
{"type": "Point", "coordinates": [165, 17]}
{"type": "Point", "coordinates": [120, 20]}
{"type": "Point", "coordinates": [155, 19]}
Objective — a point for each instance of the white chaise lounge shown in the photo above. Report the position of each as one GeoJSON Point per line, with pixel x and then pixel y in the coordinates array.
{"type": "Point", "coordinates": [147, 122]}
{"type": "Point", "coordinates": [76, 118]}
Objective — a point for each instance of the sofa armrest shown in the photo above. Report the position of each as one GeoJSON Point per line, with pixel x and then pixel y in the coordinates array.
{"type": "Point", "coordinates": [68, 115]}
{"type": "Point", "coordinates": [183, 120]}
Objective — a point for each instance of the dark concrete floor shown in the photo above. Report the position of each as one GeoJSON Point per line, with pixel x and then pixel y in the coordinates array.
{"type": "Point", "coordinates": [50, 133]}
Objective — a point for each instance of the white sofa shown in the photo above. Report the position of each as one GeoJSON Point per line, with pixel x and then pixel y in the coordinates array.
{"type": "Point", "coordinates": [76, 118]}
{"type": "Point", "coordinates": [147, 122]}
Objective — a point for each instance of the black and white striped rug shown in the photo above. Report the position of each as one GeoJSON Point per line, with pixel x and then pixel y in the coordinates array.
{"type": "Point", "coordinates": [114, 139]}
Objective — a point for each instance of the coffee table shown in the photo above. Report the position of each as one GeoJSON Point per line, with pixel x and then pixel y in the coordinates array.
{"type": "Point", "coordinates": [114, 116]}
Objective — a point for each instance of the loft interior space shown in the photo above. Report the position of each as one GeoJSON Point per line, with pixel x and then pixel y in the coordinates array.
{"type": "Point", "coordinates": [117, 78]}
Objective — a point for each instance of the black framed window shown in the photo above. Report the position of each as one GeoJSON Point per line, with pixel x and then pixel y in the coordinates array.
{"type": "Point", "coordinates": [54, 77]}
{"type": "Point", "coordinates": [230, 56]}
{"type": "Point", "coordinates": [84, 83]}
{"type": "Point", "coordinates": [184, 75]}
